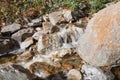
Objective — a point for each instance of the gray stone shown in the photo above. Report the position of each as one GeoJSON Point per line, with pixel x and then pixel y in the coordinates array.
{"type": "Point", "coordinates": [11, 28]}
{"type": "Point", "coordinates": [95, 73]}
{"type": "Point", "coordinates": [100, 45]}
{"type": "Point", "coordinates": [67, 15]}
{"type": "Point", "coordinates": [10, 73]}
{"type": "Point", "coordinates": [36, 35]}
{"type": "Point", "coordinates": [22, 34]}
{"type": "Point", "coordinates": [35, 22]}
{"type": "Point", "coordinates": [17, 51]}
{"type": "Point", "coordinates": [25, 44]}
{"type": "Point", "coordinates": [74, 74]}
{"type": "Point", "coordinates": [60, 16]}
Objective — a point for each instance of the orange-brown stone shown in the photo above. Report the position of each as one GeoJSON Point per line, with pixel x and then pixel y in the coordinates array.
{"type": "Point", "coordinates": [100, 45]}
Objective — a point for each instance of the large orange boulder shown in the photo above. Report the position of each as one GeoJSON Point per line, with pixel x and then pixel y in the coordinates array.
{"type": "Point", "coordinates": [100, 45]}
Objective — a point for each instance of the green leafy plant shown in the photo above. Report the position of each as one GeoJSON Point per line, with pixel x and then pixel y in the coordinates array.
{"type": "Point", "coordinates": [96, 5]}
{"type": "Point", "coordinates": [72, 4]}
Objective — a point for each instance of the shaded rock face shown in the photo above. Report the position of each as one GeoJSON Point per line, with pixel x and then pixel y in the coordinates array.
{"type": "Point", "coordinates": [7, 45]}
{"type": "Point", "coordinates": [116, 72]}
{"type": "Point", "coordinates": [100, 45]}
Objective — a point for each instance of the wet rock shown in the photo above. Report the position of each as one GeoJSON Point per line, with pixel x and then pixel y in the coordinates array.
{"type": "Point", "coordinates": [46, 26]}
{"type": "Point", "coordinates": [74, 74]}
{"type": "Point", "coordinates": [82, 22]}
{"type": "Point", "coordinates": [116, 72]}
{"type": "Point", "coordinates": [38, 29]}
{"type": "Point", "coordinates": [95, 73]}
{"type": "Point", "coordinates": [45, 17]}
{"type": "Point", "coordinates": [26, 54]}
{"type": "Point", "coordinates": [47, 71]}
{"type": "Point", "coordinates": [20, 68]}
{"type": "Point", "coordinates": [25, 44]}
{"type": "Point", "coordinates": [10, 73]}
{"type": "Point", "coordinates": [57, 55]}
{"type": "Point", "coordinates": [35, 23]}
{"type": "Point", "coordinates": [41, 69]}
{"type": "Point", "coordinates": [110, 75]}
{"type": "Point", "coordinates": [60, 16]}
{"type": "Point", "coordinates": [55, 29]}
{"type": "Point", "coordinates": [36, 35]}
{"type": "Point", "coordinates": [100, 45]}
{"type": "Point", "coordinates": [11, 28]}
{"type": "Point", "coordinates": [8, 45]}
{"type": "Point", "coordinates": [58, 76]}
{"type": "Point", "coordinates": [9, 58]}
{"type": "Point", "coordinates": [49, 42]}
{"type": "Point", "coordinates": [43, 42]}
{"type": "Point", "coordinates": [17, 51]}
{"type": "Point", "coordinates": [67, 66]}
{"type": "Point", "coordinates": [70, 61]}
{"type": "Point", "coordinates": [65, 38]}
{"type": "Point", "coordinates": [22, 34]}
{"type": "Point", "coordinates": [62, 52]}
